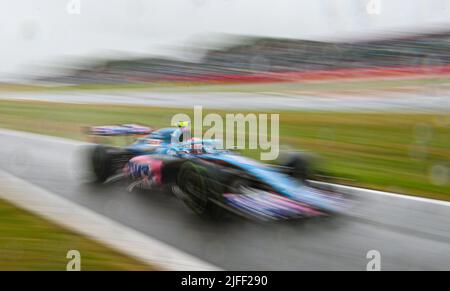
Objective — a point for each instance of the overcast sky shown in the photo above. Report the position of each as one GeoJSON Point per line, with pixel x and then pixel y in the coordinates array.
{"type": "Point", "coordinates": [34, 32]}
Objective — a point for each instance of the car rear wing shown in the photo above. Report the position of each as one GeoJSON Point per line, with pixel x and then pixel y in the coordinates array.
{"type": "Point", "coordinates": [119, 130]}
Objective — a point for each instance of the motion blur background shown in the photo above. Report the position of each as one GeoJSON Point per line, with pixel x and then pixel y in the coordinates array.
{"type": "Point", "coordinates": [363, 83]}
{"type": "Point", "coordinates": [38, 35]}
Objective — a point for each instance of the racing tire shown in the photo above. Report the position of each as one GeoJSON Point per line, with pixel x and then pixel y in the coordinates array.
{"type": "Point", "coordinates": [300, 166]}
{"type": "Point", "coordinates": [105, 161]}
{"type": "Point", "coordinates": [101, 163]}
{"type": "Point", "coordinates": [196, 182]}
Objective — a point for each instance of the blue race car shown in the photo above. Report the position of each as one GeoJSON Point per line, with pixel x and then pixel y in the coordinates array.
{"type": "Point", "coordinates": [212, 181]}
{"type": "Point", "coordinates": [106, 161]}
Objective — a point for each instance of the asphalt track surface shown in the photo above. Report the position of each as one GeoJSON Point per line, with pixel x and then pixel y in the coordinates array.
{"type": "Point", "coordinates": [428, 100]}
{"type": "Point", "coordinates": [409, 234]}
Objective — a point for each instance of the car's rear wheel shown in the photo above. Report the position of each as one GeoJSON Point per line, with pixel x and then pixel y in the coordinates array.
{"type": "Point", "coordinates": [105, 161]}
{"type": "Point", "coordinates": [101, 163]}
{"type": "Point", "coordinates": [196, 183]}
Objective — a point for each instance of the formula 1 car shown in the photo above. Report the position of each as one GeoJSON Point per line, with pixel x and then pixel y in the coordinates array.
{"type": "Point", "coordinates": [212, 181]}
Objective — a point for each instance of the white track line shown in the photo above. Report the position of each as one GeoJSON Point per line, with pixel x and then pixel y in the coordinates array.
{"type": "Point", "coordinates": [363, 191]}
{"type": "Point", "coordinates": [96, 226]}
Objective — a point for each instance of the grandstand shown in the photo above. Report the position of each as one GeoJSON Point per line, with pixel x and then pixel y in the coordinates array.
{"type": "Point", "coordinates": [256, 58]}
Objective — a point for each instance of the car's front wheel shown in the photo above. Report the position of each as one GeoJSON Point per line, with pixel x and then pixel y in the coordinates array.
{"type": "Point", "coordinates": [300, 166]}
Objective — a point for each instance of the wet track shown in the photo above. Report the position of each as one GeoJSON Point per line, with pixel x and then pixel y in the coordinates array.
{"type": "Point", "coordinates": [410, 235]}
{"type": "Point", "coordinates": [430, 100]}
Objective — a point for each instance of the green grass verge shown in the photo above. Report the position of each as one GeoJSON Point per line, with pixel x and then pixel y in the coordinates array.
{"type": "Point", "coordinates": [29, 242]}
{"type": "Point", "coordinates": [395, 152]}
